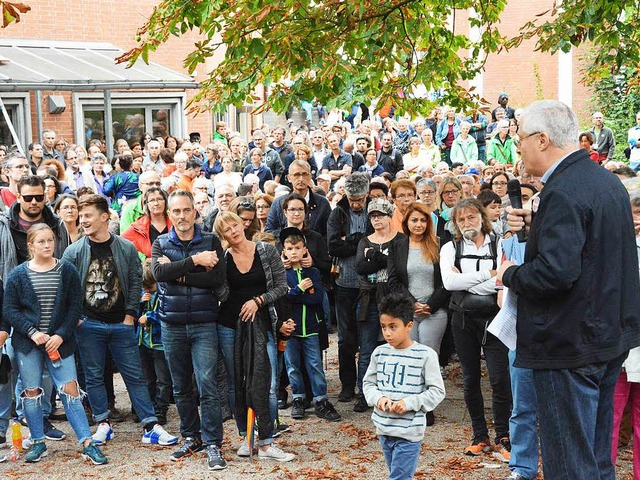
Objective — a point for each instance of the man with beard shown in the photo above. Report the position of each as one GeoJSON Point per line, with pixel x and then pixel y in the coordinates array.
{"type": "Point", "coordinates": [468, 265]}
{"type": "Point", "coordinates": [111, 274]}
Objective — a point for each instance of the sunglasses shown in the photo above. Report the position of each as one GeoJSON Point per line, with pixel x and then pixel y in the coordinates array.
{"type": "Point", "coordinates": [247, 204]}
{"type": "Point", "coordinates": [31, 198]}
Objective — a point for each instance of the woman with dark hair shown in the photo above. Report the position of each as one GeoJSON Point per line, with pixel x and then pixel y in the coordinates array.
{"type": "Point", "coordinates": [52, 188]}
{"type": "Point", "coordinates": [211, 165]}
{"type": "Point", "coordinates": [257, 167]}
{"type": "Point", "coordinates": [587, 140]}
{"type": "Point", "coordinates": [66, 207]}
{"type": "Point", "coordinates": [248, 328]}
{"type": "Point", "coordinates": [245, 208]}
{"type": "Point", "coordinates": [172, 144]}
{"type": "Point", "coordinates": [43, 302]}
{"type": "Point", "coordinates": [155, 222]}
{"type": "Point", "coordinates": [123, 185]}
{"type": "Point", "coordinates": [498, 184]}
{"type": "Point", "coordinates": [144, 142]}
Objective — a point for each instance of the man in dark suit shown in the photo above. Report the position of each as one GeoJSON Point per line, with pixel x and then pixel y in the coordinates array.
{"type": "Point", "coordinates": [578, 306]}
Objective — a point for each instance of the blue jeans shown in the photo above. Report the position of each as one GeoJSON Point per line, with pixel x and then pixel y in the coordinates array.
{"type": "Point", "coordinates": [308, 350]}
{"type": "Point", "coordinates": [193, 349]}
{"type": "Point", "coordinates": [347, 335]}
{"type": "Point", "coordinates": [31, 366]}
{"type": "Point", "coordinates": [523, 424]}
{"type": "Point", "coordinates": [16, 381]}
{"type": "Point", "coordinates": [401, 456]}
{"type": "Point", "coordinates": [94, 337]}
{"type": "Point", "coordinates": [368, 334]}
{"type": "Point", "coordinates": [482, 150]}
{"type": "Point", "coordinates": [575, 411]}
{"type": "Point", "coordinates": [226, 339]}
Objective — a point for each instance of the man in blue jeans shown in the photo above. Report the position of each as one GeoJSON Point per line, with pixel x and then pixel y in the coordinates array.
{"type": "Point", "coordinates": [189, 267]}
{"type": "Point", "coordinates": [111, 273]}
{"type": "Point", "coordinates": [578, 304]}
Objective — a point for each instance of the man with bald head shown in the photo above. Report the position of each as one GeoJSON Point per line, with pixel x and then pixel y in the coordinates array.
{"type": "Point", "coordinates": [223, 197]}
{"type": "Point", "coordinates": [133, 210]}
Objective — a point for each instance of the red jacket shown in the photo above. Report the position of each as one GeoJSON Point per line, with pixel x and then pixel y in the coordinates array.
{"type": "Point", "coordinates": [138, 234]}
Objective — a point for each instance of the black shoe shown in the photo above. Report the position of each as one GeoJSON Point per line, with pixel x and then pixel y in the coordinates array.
{"type": "Point", "coordinates": [162, 418]}
{"type": "Point", "coordinates": [297, 408]}
{"type": "Point", "coordinates": [189, 446]}
{"type": "Point", "coordinates": [115, 415]}
{"type": "Point", "coordinates": [58, 416]}
{"type": "Point", "coordinates": [282, 404]}
{"type": "Point", "coordinates": [431, 419]}
{"type": "Point", "coordinates": [346, 395]}
{"type": "Point", "coordinates": [360, 405]}
{"type": "Point", "coordinates": [325, 410]}
{"type": "Point", "coordinates": [215, 460]}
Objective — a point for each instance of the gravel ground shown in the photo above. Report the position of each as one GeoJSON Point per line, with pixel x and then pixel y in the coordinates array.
{"type": "Point", "coordinates": [344, 450]}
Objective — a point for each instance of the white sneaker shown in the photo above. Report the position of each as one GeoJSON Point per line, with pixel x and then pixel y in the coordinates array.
{"type": "Point", "coordinates": [158, 436]}
{"type": "Point", "coordinates": [243, 449]}
{"type": "Point", "coordinates": [103, 434]}
{"type": "Point", "coordinates": [274, 453]}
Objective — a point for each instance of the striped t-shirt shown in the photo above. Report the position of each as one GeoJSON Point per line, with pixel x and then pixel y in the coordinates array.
{"type": "Point", "coordinates": [45, 285]}
{"type": "Point", "coordinates": [411, 374]}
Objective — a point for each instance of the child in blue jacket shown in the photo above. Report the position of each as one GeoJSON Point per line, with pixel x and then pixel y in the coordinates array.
{"type": "Point", "coordinates": [305, 296]}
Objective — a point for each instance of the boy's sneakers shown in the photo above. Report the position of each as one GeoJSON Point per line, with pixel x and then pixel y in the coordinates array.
{"type": "Point", "coordinates": [274, 453]}
{"type": "Point", "coordinates": [51, 432]}
{"type": "Point", "coordinates": [297, 408]}
{"type": "Point", "coordinates": [478, 447]}
{"type": "Point", "coordinates": [325, 410]}
{"type": "Point", "coordinates": [502, 450]}
{"type": "Point", "coordinates": [189, 446]}
{"type": "Point", "coordinates": [361, 405]}
{"type": "Point", "coordinates": [36, 452]}
{"type": "Point", "coordinates": [103, 434]}
{"type": "Point", "coordinates": [215, 460]}
{"type": "Point", "coordinates": [279, 427]}
{"type": "Point", "coordinates": [159, 436]}
{"type": "Point", "coordinates": [93, 453]}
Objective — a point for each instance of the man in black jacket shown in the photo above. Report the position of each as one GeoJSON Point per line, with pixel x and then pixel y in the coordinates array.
{"type": "Point", "coordinates": [578, 306]}
{"type": "Point", "coordinates": [190, 269]}
{"type": "Point", "coordinates": [390, 158]}
{"type": "Point", "coordinates": [348, 223]}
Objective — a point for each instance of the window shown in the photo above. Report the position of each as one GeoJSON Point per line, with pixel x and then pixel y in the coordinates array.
{"type": "Point", "coordinates": [133, 115]}
{"type": "Point", "coordinates": [17, 106]}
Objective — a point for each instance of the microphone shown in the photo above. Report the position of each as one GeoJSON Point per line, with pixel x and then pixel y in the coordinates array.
{"type": "Point", "coordinates": [515, 197]}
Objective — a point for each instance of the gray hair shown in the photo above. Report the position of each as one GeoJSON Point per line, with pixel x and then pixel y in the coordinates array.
{"type": "Point", "coordinates": [357, 184]}
{"type": "Point", "coordinates": [427, 182]}
{"type": "Point", "coordinates": [9, 160]}
{"type": "Point", "coordinates": [555, 119]}
{"type": "Point", "coordinates": [464, 124]}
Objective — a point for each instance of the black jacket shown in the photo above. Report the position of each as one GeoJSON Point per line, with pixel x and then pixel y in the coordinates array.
{"type": "Point", "coordinates": [399, 279]}
{"type": "Point", "coordinates": [340, 226]}
{"type": "Point", "coordinates": [578, 301]}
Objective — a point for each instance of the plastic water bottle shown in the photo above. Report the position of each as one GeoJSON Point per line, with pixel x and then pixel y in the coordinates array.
{"type": "Point", "coordinates": [16, 440]}
{"type": "Point", "coordinates": [55, 358]}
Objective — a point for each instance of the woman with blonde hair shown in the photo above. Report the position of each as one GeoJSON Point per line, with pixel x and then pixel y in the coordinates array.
{"type": "Point", "coordinates": [248, 330]}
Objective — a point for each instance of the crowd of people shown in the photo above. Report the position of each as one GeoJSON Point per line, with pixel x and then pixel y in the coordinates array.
{"type": "Point", "coordinates": [211, 276]}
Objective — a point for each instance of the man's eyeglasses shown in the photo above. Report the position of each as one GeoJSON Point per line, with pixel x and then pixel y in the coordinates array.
{"type": "Point", "coordinates": [31, 198]}
{"type": "Point", "coordinates": [299, 175]}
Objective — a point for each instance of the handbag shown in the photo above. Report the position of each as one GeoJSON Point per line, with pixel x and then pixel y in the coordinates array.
{"type": "Point", "coordinates": [474, 305]}
{"type": "Point", "coordinates": [5, 367]}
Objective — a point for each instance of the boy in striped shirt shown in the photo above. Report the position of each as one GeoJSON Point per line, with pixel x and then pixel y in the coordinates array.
{"type": "Point", "coordinates": [403, 382]}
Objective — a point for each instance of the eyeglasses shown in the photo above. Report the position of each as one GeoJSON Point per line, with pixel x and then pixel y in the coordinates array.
{"type": "Point", "coordinates": [50, 186]}
{"type": "Point", "coordinates": [295, 210]}
{"type": "Point", "coordinates": [451, 192]}
{"type": "Point", "coordinates": [499, 184]}
{"type": "Point", "coordinates": [530, 135]}
{"type": "Point", "coordinates": [427, 193]}
{"type": "Point", "coordinates": [69, 207]}
{"type": "Point", "coordinates": [155, 200]}
{"type": "Point", "coordinates": [377, 216]}
{"type": "Point", "coordinates": [31, 198]}
{"type": "Point", "coordinates": [299, 175]}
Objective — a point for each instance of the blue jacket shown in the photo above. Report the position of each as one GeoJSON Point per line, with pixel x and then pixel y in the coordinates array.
{"type": "Point", "coordinates": [21, 308]}
{"type": "Point", "coordinates": [127, 263]}
{"type": "Point", "coordinates": [306, 307]}
{"type": "Point", "coordinates": [187, 292]}
{"type": "Point", "coordinates": [209, 170]}
{"type": "Point", "coordinates": [122, 185]}
{"type": "Point", "coordinates": [578, 287]}
{"type": "Point", "coordinates": [443, 130]}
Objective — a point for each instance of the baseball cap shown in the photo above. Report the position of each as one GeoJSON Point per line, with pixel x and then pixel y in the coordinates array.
{"type": "Point", "coordinates": [380, 205]}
